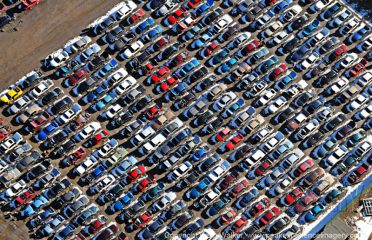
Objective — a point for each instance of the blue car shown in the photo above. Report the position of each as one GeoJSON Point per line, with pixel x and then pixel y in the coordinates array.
{"type": "Point", "coordinates": [42, 217]}
{"type": "Point", "coordinates": [34, 207]}
{"type": "Point", "coordinates": [96, 173]}
{"type": "Point", "coordinates": [112, 64]}
{"type": "Point", "coordinates": [154, 192]}
{"type": "Point", "coordinates": [280, 7]}
{"type": "Point", "coordinates": [201, 42]}
{"type": "Point", "coordinates": [359, 34]}
{"type": "Point", "coordinates": [152, 34]}
{"type": "Point", "coordinates": [178, 90]}
{"type": "Point", "coordinates": [226, 66]}
{"type": "Point", "coordinates": [48, 130]}
{"type": "Point", "coordinates": [192, 32]}
{"type": "Point", "coordinates": [122, 202]}
{"type": "Point", "coordinates": [187, 68]}
{"type": "Point", "coordinates": [201, 187]}
{"type": "Point", "coordinates": [96, 93]}
{"type": "Point", "coordinates": [330, 12]}
{"type": "Point", "coordinates": [199, 154]}
{"type": "Point", "coordinates": [220, 57]}
{"type": "Point", "coordinates": [311, 215]}
{"type": "Point", "coordinates": [309, 29]}
{"type": "Point", "coordinates": [145, 25]}
{"type": "Point", "coordinates": [247, 198]}
{"type": "Point", "coordinates": [101, 104]}
{"type": "Point", "coordinates": [286, 80]}
{"type": "Point", "coordinates": [201, 10]}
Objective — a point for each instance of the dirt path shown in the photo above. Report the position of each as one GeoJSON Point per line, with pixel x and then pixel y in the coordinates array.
{"type": "Point", "coordinates": [47, 27]}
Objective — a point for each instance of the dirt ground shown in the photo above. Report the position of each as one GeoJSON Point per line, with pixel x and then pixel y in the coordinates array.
{"type": "Point", "coordinates": [49, 26]}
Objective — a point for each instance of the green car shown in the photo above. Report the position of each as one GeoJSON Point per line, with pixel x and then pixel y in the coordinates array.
{"type": "Point", "coordinates": [356, 138]}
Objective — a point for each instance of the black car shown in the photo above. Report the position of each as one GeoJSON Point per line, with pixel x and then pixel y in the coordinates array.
{"type": "Point", "coordinates": [197, 74]}
{"type": "Point", "coordinates": [328, 45]}
{"type": "Point", "coordinates": [136, 62]}
{"type": "Point", "coordinates": [132, 211]}
{"type": "Point", "coordinates": [130, 96]}
{"type": "Point", "coordinates": [204, 84]}
{"type": "Point", "coordinates": [254, 12]}
{"type": "Point", "coordinates": [123, 41]}
{"type": "Point", "coordinates": [333, 123]}
{"type": "Point", "coordinates": [290, 45]}
{"type": "Point", "coordinates": [212, 16]}
{"type": "Point", "coordinates": [111, 36]}
{"type": "Point", "coordinates": [140, 104]}
{"type": "Point", "coordinates": [312, 107]}
{"type": "Point", "coordinates": [168, 52]}
{"type": "Point", "coordinates": [180, 137]}
{"type": "Point", "coordinates": [63, 149]}
{"type": "Point", "coordinates": [67, 197]}
{"type": "Point", "coordinates": [181, 220]}
{"type": "Point", "coordinates": [204, 117]}
{"type": "Point", "coordinates": [284, 115]}
{"type": "Point", "coordinates": [212, 126]}
{"type": "Point", "coordinates": [103, 26]}
{"type": "Point", "coordinates": [87, 85]}
{"type": "Point", "coordinates": [208, 163]}
{"type": "Point", "coordinates": [155, 4]}
{"type": "Point", "coordinates": [184, 101]}
{"type": "Point", "coordinates": [231, 31]}
{"type": "Point", "coordinates": [279, 225]}
{"type": "Point", "coordinates": [36, 171]}
{"type": "Point", "coordinates": [51, 96]}
{"type": "Point", "coordinates": [302, 99]}
{"type": "Point", "coordinates": [95, 63]}
{"type": "Point", "coordinates": [326, 79]}
{"type": "Point", "coordinates": [57, 188]}
{"type": "Point", "coordinates": [61, 105]}
{"type": "Point", "coordinates": [190, 179]}
{"type": "Point", "coordinates": [28, 161]}
{"type": "Point", "coordinates": [298, 23]}
{"type": "Point", "coordinates": [313, 139]}
{"type": "Point", "coordinates": [192, 228]}
{"type": "Point", "coordinates": [55, 139]}
{"type": "Point", "coordinates": [132, 128]}
{"type": "Point", "coordinates": [5, 20]}
{"type": "Point", "coordinates": [123, 117]}
{"type": "Point", "coordinates": [31, 80]}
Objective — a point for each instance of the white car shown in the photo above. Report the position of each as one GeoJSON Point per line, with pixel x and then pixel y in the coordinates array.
{"type": "Point", "coordinates": [290, 14]}
{"type": "Point", "coordinates": [349, 26]}
{"type": "Point", "coordinates": [168, 6]}
{"type": "Point", "coordinates": [124, 11]}
{"type": "Point", "coordinates": [336, 87]}
{"type": "Point", "coordinates": [271, 29]}
{"type": "Point", "coordinates": [12, 191]}
{"type": "Point", "coordinates": [224, 100]}
{"type": "Point", "coordinates": [276, 105]}
{"type": "Point", "coordinates": [340, 18]}
{"type": "Point", "coordinates": [85, 166]}
{"type": "Point", "coordinates": [320, 5]}
{"type": "Point", "coordinates": [108, 148]}
{"type": "Point", "coordinates": [309, 61]}
{"type": "Point", "coordinates": [365, 113]}
{"type": "Point", "coordinates": [116, 77]}
{"type": "Point", "coordinates": [102, 183]}
{"type": "Point", "coordinates": [10, 143]}
{"type": "Point", "coordinates": [365, 79]}
{"type": "Point", "coordinates": [222, 23]}
{"type": "Point", "coordinates": [88, 131]}
{"type": "Point", "coordinates": [307, 129]}
{"type": "Point", "coordinates": [357, 102]}
{"type": "Point", "coordinates": [41, 88]}
{"type": "Point", "coordinates": [218, 170]}
{"type": "Point", "coordinates": [20, 104]}
{"type": "Point", "coordinates": [180, 171]}
{"type": "Point", "coordinates": [206, 234]}
{"type": "Point", "coordinates": [57, 58]}
{"type": "Point", "coordinates": [280, 37]}
{"type": "Point", "coordinates": [142, 135]}
{"type": "Point", "coordinates": [132, 50]}
{"type": "Point", "coordinates": [69, 114]}
{"type": "Point", "coordinates": [113, 110]}
{"type": "Point", "coordinates": [266, 96]}
{"type": "Point", "coordinates": [336, 155]}
{"type": "Point", "coordinates": [348, 60]}
{"type": "Point", "coordinates": [163, 202]}
{"type": "Point", "coordinates": [239, 40]}
{"type": "Point", "coordinates": [125, 85]}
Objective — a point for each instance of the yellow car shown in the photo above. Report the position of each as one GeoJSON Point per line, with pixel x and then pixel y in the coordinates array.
{"type": "Point", "coordinates": [12, 95]}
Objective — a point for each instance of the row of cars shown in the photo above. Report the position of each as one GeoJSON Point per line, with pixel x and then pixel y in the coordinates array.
{"type": "Point", "coordinates": [239, 141]}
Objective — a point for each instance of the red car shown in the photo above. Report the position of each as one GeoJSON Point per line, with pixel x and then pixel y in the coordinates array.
{"type": "Point", "coordinates": [358, 68]}
{"type": "Point", "coordinates": [153, 112]}
{"type": "Point", "coordinates": [269, 216]}
{"type": "Point", "coordinates": [302, 204]}
{"type": "Point", "coordinates": [147, 69]}
{"type": "Point", "coordinates": [228, 181]}
{"type": "Point", "coordinates": [24, 198]}
{"type": "Point", "coordinates": [160, 74]}
{"type": "Point", "coordinates": [211, 48]}
{"type": "Point", "coordinates": [167, 84]}
{"type": "Point", "coordinates": [258, 207]}
{"type": "Point", "coordinates": [179, 59]}
{"type": "Point", "coordinates": [292, 196]}
{"type": "Point", "coordinates": [100, 137]}
{"type": "Point", "coordinates": [41, 120]}
{"type": "Point", "coordinates": [194, 3]}
{"type": "Point", "coordinates": [108, 233]}
{"type": "Point", "coordinates": [145, 184]}
{"type": "Point", "coordinates": [239, 188]}
{"type": "Point", "coordinates": [228, 216]}
{"type": "Point", "coordinates": [142, 220]}
{"type": "Point", "coordinates": [303, 168]}
{"type": "Point", "coordinates": [136, 17]}
{"type": "Point", "coordinates": [338, 53]}
{"type": "Point", "coordinates": [223, 134]}
{"type": "Point", "coordinates": [77, 76]}
{"type": "Point", "coordinates": [357, 174]}
{"type": "Point", "coordinates": [251, 46]}
{"type": "Point", "coordinates": [176, 16]}
{"type": "Point", "coordinates": [234, 142]}
{"type": "Point", "coordinates": [237, 226]}
{"type": "Point", "coordinates": [5, 131]}
{"type": "Point", "coordinates": [161, 43]}
{"type": "Point", "coordinates": [3, 8]}
{"type": "Point", "coordinates": [77, 156]}
{"type": "Point", "coordinates": [137, 173]}
{"type": "Point", "coordinates": [28, 4]}
{"type": "Point", "coordinates": [262, 169]}
{"type": "Point", "coordinates": [96, 225]}
{"type": "Point", "coordinates": [278, 72]}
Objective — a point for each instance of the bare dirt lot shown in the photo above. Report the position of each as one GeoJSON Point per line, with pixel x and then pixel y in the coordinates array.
{"type": "Point", "coordinates": [43, 29]}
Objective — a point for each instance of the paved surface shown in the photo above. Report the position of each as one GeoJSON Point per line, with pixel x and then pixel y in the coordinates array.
{"type": "Point", "coordinates": [48, 48]}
